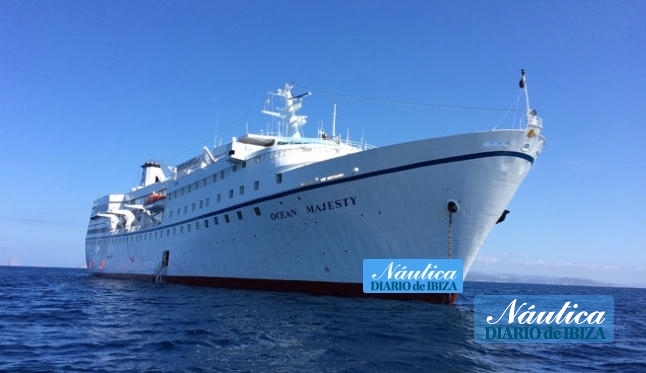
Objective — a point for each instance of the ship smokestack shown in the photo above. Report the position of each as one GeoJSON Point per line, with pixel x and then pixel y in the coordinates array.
{"type": "Point", "coordinates": [152, 173]}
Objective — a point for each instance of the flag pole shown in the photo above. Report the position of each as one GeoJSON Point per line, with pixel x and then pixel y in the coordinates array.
{"type": "Point", "coordinates": [523, 85]}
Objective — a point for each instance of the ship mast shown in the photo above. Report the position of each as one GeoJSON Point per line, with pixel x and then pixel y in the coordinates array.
{"type": "Point", "coordinates": [523, 85]}
{"type": "Point", "coordinates": [334, 120]}
{"type": "Point", "coordinates": [534, 122]}
{"type": "Point", "coordinates": [287, 114]}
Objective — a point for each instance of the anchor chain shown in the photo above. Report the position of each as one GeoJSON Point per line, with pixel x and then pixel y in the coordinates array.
{"type": "Point", "coordinates": [453, 207]}
{"type": "Point", "coordinates": [450, 235]}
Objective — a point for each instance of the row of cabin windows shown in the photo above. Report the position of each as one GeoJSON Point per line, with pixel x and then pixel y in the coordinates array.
{"type": "Point", "coordinates": [214, 178]}
{"type": "Point", "coordinates": [205, 203]}
{"type": "Point", "coordinates": [202, 183]}
{"type": "Point", "coordinates": [159, 234]}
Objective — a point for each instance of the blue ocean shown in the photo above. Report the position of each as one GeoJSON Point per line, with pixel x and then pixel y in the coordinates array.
{"type": "Point", "coordinates": [64, 320]}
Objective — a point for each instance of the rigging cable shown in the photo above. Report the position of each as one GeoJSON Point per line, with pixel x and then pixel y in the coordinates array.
{"type": "Point", "coordinates": [406, 103]}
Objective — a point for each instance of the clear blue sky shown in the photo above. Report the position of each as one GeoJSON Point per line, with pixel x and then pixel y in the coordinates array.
{"type": "Point", "coordinates": [89, 90]}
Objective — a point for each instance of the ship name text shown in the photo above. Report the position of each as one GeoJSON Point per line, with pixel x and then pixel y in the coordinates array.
{"type": "Point", "coordinates": [283, 214]}
{"type": "Point", "coordinates": [332, 204]}
{"type": "Point", "coordinates": [315, 208]}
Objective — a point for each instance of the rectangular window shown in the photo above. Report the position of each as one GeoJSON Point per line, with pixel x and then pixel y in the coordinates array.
{"type": "Point", "coordinates": [221, 175]}
{"type": "Point", "coordinates": [215, 177]}
{"type": "Point", "coordinates": [178, 211]}
{"type": "Point", "coordinates": [239, 213]}
{"type": "Point", "coordinates": [174, 231]}
{"type": "Point", "coordinates": [244, 164]}
{"type": "Point", "coordinates": [204, 182]}
{"type": "Point", "coordinates": [189, 188]}
{"type": "Point", "coordinates": [181, 229]}
{"type": "Point", "coordinates": [257, 210]}
{"type": "Point", "coordinates": [206, 223]}
{"type": "Point", "coordinates": [219, 197]}
{"type": "Point", "coordinates": [226, 218]}
{"type": "Point", "coordinates": [185, 209]}
{"type": "Point", "coordinates": [230, 193]}
{"type": "Point", "coordinates": [197, 224]}
{"type": "Point", "coordinates": [241, 189]}
{"type": "Point", "coordinates": [193, 207]}
{"type": "Point", "coordinates": [256, 185]}
{"type": "Point", "coordinates": [279, 178]}
{"type": "Point", "coordinates": [207, 202]}
{"type": "Point", "coordinates": [188, 227]}
{"type": "Point", "coordinates": [170, 214]}
{"type": "Point", "coordinates": [201, 204]}
{"type": "Point", "coordinates": [215, 220]}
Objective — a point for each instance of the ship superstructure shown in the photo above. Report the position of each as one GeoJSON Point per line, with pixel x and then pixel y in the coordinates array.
{"type": "Point", "coordinates": [288, 212]}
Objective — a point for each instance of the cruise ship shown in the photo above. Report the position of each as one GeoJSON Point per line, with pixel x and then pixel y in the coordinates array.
{"type": "Point", "coordinates": [286, 212]}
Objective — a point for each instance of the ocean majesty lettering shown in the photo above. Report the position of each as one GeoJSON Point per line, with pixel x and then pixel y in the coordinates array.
{"type": "Point", "coordinates": [332, 205]}
{"type": "Point", "coordinates": [315, 208]}
{"type": "Point", "coordinates": [283, 214]}
{"type": "Point", "coordinates": [412, 275]}
{"type": "Point", "coordinates": [545, 319]}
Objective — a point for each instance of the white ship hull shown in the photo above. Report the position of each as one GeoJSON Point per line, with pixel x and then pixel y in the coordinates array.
{"type": "Point", "coordinates": [279, 224]}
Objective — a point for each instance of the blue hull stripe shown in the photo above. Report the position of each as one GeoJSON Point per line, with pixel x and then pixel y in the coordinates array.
{"type": "Point", "coordinates": [434, 162]}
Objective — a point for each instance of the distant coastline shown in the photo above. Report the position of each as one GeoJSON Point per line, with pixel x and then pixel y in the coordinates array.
{"type": "Point", "coordinates": [543, 280]}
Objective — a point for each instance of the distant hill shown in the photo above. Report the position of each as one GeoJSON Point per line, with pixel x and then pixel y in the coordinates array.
{"type": "Point", "coordinates": [543, 280]}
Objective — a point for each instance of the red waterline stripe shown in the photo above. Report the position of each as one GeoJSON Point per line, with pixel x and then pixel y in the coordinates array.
{"type": "Point", "coordinates": [343, 289]}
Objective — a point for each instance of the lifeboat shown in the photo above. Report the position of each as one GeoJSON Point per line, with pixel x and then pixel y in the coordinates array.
{"type": "Point", "coordinates": [154, 197]}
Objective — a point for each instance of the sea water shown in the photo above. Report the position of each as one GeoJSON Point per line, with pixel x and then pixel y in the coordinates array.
{"type": "Point", "coordinates": [67, 320]}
